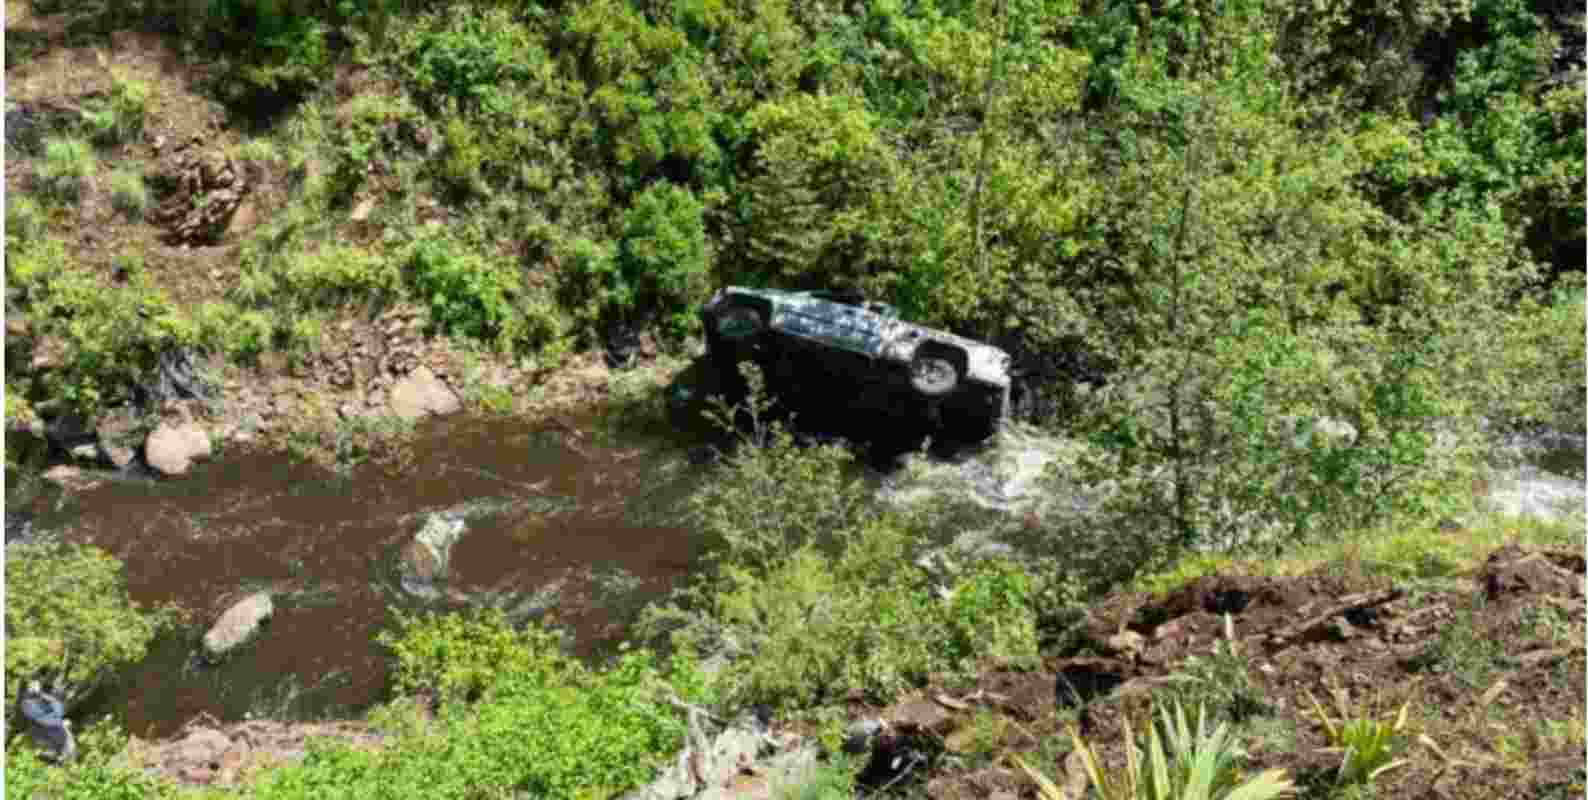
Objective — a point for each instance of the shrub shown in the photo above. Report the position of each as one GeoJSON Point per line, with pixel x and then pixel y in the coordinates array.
{"type": "Point", "coordinates": [120, 117]}
{"type": "Point", "coordinates": [128, 194]}
{"type": "Point", "coordinates": [470, 296]}
{"type": "Point", "coordinates": [544, 725]}
{"type": "Point", "coordinates": [472, 57]}
{"type": "Point", "coordinates": [1174, 764]}
{"type": "Point", "coordinates": [24, 221]}
{"type": "Point", "coordinates": [68, 614]}
{"type": "Point", "coordinates": [1369, 744]}
{"type": "Point", "coordinates": [67, 162]}
{"type": "Point", "coordinates": [337, 274]}
{"type": "Point", "coordinates": [110, 335]}
{"type": "Point", "coordinates": [463, 655]}
{"type": "Point", "coordinates": [663, 260]}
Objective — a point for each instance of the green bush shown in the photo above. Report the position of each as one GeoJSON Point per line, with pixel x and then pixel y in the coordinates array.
{"type": "Point", "coordinates": [25, 222]}
{"type": "Point", "coordinates": [93, 775]}
{"type": "Point", "coordinates": [128, 194]}
{"type": "Point", "coordinates": [472, 57]}
{"type": "Point", "coordinates": [663, 260]}
{"type": "Point", "coordinates": [67, 613]}
{"type": "Point", "coordinates": [110, 336]}
{"type": "Point", "coordinates": [120, 117]}
{"type": "Point", "coordinates": [469, 295]}
{"type": "Point", "coordinates": [333, 275]}
{"type": "Point", "coordinates": [543, 725]}
{"type": "Point", "coordinates": [464, 655]}
{"type": "Point", "coordinates": [67, 162]}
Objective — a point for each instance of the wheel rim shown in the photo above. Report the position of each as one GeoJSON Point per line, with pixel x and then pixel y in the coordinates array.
{"type": "Point", "coordinates": [933, 375]}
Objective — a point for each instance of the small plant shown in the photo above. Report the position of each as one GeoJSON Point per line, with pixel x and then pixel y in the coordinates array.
{"type": "Point", "coordinates": [120, 117]}
{"type": "Point", "coordinates": [128, 194]}
{"type": "Point", "coordinates": [1368, 744]}
{"type": "Point", "coordinates": [830, 780]}
{"type": "Point", "coordinates": [67, 162]}
{"type": "Point", "coordinates": [1220, 681]}
{"type": "Point", "coordinates": [1463, 651]}
{"type": "Point", "coordinates": [24, 220]}
{"type": "Point", "coordinates": [1176, 763]}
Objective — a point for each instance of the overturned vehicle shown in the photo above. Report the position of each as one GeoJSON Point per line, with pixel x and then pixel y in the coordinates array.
{"type": "Point", "coordinates": [835, 356]}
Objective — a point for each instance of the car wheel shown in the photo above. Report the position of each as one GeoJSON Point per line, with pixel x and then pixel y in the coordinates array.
{"type": "Point", "coordinates": [933, 374]}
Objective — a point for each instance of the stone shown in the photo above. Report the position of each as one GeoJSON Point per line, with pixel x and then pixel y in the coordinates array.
{"type": "Point", "coordinates": [69, 477]}
{"type": "Point", "coordinates": [919, 715]}
{"type": "Point", "coordinates": [202, 746]}
{"type": "Point", "coordinates": [425, 559]}
{"type": "Point", "coordinates": [422, 394]}
{"type": "Point", "coordinates": [173, 447]}
{"type": "Point", "coordinates": [362, 211]}
{"type": "Point", "coordinates": [1126, 643]}
{"type": "Point", "coordinates": [238, 624]}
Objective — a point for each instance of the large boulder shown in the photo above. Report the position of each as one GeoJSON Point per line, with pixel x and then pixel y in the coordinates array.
{"type": "Point", "coordinates": [173, 447]}
{"type": "Point", "coordinates": [238, 624]}
{"type": "Point", "coordinates": [421, 394]}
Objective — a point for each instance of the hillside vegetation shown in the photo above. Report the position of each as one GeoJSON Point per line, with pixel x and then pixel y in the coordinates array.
{"type": "Point", "coordinates": [1306, 254]}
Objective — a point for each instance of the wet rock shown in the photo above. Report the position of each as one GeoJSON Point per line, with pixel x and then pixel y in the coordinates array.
{"type": "Point", "coordinates": [238, 624]}
{"type": "Point", "coordinates": [173, 447]}
{"type": "Point", "coordinates": [422, 394]}
{"type": "Point", "coordinates": [69, 430]}
{"type": "Point", "coordinates": [19, 527]}
{"type": "Point", "coordinates": [425, 559]}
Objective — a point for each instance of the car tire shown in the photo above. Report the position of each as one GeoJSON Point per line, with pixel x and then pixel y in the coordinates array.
{"type": "Point", "coordinates": [934, 373]}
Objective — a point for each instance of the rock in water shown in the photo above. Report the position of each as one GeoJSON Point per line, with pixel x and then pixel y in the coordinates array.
{"type": "Point", "coordinates": [421, 394]}
{"type": "Point", "coordinates": [172, 448]}
{"type": "Point", "coordinates": [425, 559]}
{"type": "Point", "coordinates": [238, 624]}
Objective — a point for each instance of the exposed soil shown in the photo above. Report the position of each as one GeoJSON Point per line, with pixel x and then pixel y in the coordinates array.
{"type": "Point", "coordinates": [1493, 667]}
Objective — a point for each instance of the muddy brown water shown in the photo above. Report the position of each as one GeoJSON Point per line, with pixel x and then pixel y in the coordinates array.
{"type": "Point", "coordinates": [562, 525]}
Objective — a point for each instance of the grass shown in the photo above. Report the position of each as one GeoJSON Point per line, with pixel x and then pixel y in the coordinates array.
{"type": "Point", "coordinates": [1398, 550]}
{"type": "Point", "coordinates": [128, 195]}
{"type": "Point", "coordinates": [67, 161]}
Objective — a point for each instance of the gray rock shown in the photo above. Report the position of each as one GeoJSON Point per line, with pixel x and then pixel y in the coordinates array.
{"type": "Point", "coordinates": [173, 447]}
{"type": "Point", "coordinates": [421, 394]}
{"type": "Point", "coordinates": [238, 624]}
{"type": "Point", "coordinates": [425, 559]}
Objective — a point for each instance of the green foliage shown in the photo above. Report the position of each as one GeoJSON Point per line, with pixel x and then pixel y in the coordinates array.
{"type": "Point", "coordinates": [662, 259]}
{"type": "Point", "coordinates": [828, 780]}
{"type": "Point", "coordinates": [92, 775]}
{"type": "Point", "coordinates": [472, 56]}
{"type": "Point", "coordinates": [109, 336]}
{"type": "Point", "coordinates": [816, 590]}
{"type": "Point", "coordinates": [25, 222]}
{"type": "Point", "coordinates": [68, 616]}
{"type": "Point", "coordinates": [67, 162]}
{"type": "Point", "coordinates": [544, 725]}
{"type": "Point", "coordinates": [1174, 763]}
{"type": "Point", "coordinates": [128, 194]}
{"type": "Point", "coordinates": [334, 275]}
{"type": "Point", "coordinates": [119, 118]}
{"type": "Point", "coordinates": [1369, 745]}
{"type": "Point", "coordinates": [462, 656]}
{"type": "Point", "coordinates": [470, 295]}
{"type": "Point", "coordinates": [1219, 682]}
